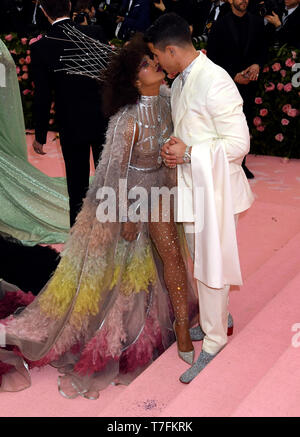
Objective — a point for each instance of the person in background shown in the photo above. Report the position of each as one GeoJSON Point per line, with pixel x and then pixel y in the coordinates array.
{"type": "Point", "coordinates": [85, 15]}
{"type": "Point", "coordinates": [237, 43]}
{"type": "Point", "coordinates": [285, 28]}
{"type": "Point", "coordinates": [106, 15]}
{"type": "Point", "coordinates": [78, 101]}
{"type": "Point", "coordinates": [134, 17]}
{"type": "Point", "coordinates": [210, 12]}
{"type": "Point", "coordinates": [184, 8]}
{"type": "Point", "coordinates": [23, 17]}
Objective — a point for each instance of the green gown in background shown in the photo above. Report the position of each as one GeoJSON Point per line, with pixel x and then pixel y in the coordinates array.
{"type": "Point", "coordinates": [33, 206]}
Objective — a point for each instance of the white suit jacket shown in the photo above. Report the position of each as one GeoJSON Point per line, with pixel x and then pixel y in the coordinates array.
{"type": "Point", "coordinates": [208, 115]}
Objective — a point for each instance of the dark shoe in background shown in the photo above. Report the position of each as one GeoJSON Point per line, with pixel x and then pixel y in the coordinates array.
{"type": "Point", "coordinates": [248, 173]}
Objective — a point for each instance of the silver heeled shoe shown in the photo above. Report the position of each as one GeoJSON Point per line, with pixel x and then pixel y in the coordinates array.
{"type": "Point", "coordinates": [187, 357]}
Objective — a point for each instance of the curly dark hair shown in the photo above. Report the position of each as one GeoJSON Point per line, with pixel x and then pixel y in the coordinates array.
{"type": "Point", "coordinates": [119, 88]}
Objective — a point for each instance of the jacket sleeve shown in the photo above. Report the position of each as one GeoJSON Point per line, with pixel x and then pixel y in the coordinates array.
{"type": "Point", "coordinates": [42, 95]}
{"type": "Point", "coordinates": [261, 53]}
{"type": "Point", "coordinates": [215, 48]}
{"type": "Point", "coordinates": [225, 106]}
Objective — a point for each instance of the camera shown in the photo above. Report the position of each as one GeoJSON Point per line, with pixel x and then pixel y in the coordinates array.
{"type": "Point", "coordinates": [268, 6]}
{"type": "Point", "coordinates": [80, 17]}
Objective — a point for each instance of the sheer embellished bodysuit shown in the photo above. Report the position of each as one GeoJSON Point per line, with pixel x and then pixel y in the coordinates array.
{"type": "Point", "coordinates": [155, 126]}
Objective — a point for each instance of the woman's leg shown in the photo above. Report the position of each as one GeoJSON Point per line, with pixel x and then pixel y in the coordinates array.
{"type": "Point", "coordinates": [164, 236]}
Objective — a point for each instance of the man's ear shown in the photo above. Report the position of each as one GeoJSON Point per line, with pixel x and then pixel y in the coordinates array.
{"type": "Point", "coordinates": [171, 50]}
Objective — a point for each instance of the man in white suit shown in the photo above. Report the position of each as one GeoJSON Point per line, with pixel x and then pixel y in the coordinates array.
{"type": "Point", "coordinates": [211, 138]}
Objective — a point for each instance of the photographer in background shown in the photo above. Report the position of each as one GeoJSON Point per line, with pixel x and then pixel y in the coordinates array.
{"type": "Point", "coordinates": [283, 27]}
{"type": "Point", "coordinates": [212, 10]}
{"type": "Point", "coordinates": [85, 15]}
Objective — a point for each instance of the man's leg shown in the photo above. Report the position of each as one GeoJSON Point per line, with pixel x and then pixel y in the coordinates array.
{"type": "Point", "coordinates": [77, 163]}
{"type": "Point", "coordinates": [213, 311]}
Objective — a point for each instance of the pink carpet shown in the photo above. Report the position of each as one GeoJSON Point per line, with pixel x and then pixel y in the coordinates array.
{"type": "Point", "coordinates": [258, 372]}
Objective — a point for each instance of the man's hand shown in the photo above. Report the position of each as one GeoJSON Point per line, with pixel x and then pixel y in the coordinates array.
{"type": "Point", "coordinates": [168, 158]}
{"type": "Point", "coordinates": [273, 19]}
{"type": "Point", "coordinates": [129, 231]}
{"type": "Point", "coordinates": [38, 147]}
{"type": "Point", "coordinates": [252, 72]}
{"type": "Point", "coordinates": [173, 151]}
{"type": "Point", "coordinates": [241, 79]}
{"type": "Point", "coordinates": [120, 19]}
{"type": "Point", "coordinates": [160, 6]}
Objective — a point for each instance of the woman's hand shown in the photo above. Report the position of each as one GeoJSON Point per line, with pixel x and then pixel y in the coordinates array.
{"type": "Point", "coordinates": [129, 231]}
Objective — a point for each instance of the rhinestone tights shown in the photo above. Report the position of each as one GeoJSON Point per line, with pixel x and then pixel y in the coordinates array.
{"type": "Point", "coordinates": [164, 236]}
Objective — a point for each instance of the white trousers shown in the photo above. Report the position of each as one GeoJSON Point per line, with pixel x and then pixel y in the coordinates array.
{"type": "Point", "coordinates": [213, 306]}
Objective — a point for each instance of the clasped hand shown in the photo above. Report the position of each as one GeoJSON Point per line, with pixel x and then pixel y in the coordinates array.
{"type": "Point", "coordinates": [172, 152]}
{"type": "Point", "coordinates": [249, 74]}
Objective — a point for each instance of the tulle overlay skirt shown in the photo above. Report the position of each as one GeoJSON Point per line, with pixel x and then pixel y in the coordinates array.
{"type": "Point", "coordinates": [103, 317]}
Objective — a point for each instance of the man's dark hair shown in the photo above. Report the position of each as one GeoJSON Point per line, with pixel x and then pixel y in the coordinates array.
{"type": "Point", "coordinates": [81, 5]}
{"type": "Point", "coordinates": [56, 8]}
{"type": "Point", "coordinates": [169, 29]}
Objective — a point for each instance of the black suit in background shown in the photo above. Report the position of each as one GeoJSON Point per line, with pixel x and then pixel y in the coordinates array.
{"type": "Point", "coordinates": [204, 17]}
{"type": "Point", "coordinates": [18, 16]}
{"type": "Point", "coordinates": [184, 8]}
{"type": "Point", "coordinates": [78, 110]}
{"type": "Point", "coordinates": [289, 32]}
{"type": "Point", "coordinates": [235, 43]}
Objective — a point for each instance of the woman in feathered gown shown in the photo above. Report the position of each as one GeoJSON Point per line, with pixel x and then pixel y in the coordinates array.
{"type": "Point", "coordinates": [107, 311]}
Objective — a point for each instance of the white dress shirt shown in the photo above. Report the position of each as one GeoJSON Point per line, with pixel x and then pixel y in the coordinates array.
{"type": "Point", "coordinates": [60, 19]}
{"type": "Point", "coordinates": [186, 72]}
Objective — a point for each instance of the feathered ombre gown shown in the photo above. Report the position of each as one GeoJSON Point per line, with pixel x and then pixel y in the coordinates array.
{"type": "Point", "coordinates": [105, 314]}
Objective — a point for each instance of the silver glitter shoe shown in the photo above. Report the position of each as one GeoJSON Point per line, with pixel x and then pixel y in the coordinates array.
{"type": "Point", "coordinates": [197, 334]}
{"type": "Point", "coordinates": [187, 357]}
{"type": "Point", "coordinates": [200, 364]}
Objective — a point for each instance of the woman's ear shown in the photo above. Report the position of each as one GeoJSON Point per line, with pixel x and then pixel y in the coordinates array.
{"type": "Point", "coordinates": [138, 84]}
